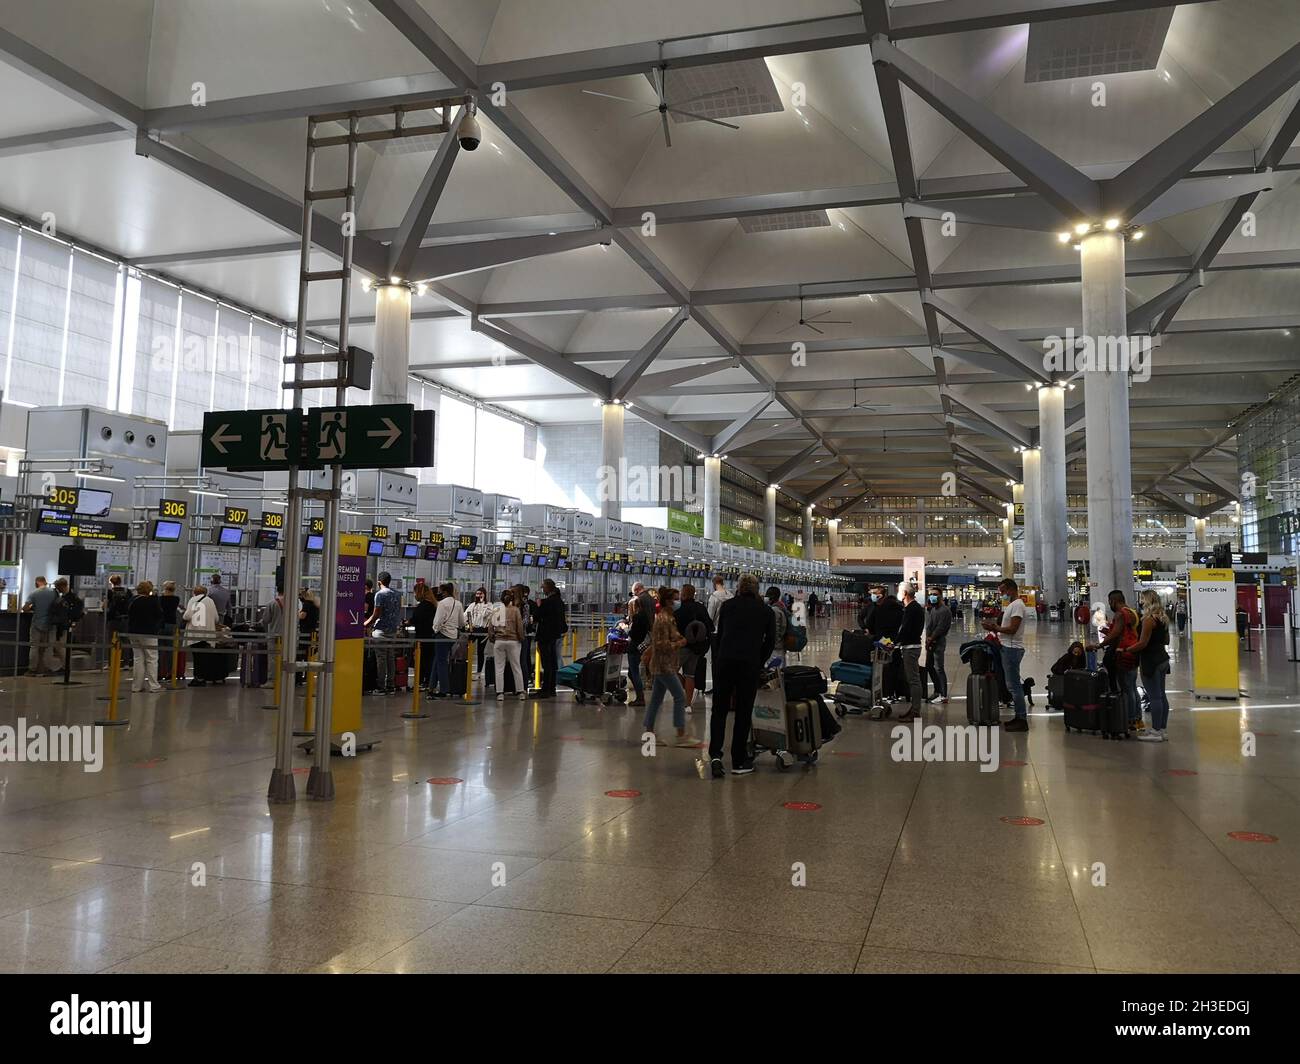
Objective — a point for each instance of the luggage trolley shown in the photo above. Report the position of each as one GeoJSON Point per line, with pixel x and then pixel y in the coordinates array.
{"type": "Point", "coordinates": [600, 676]}
{"type": "Point", "coordinates": [786, 737]}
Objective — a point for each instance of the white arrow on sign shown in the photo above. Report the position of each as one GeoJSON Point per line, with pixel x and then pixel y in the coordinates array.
{"type": "Point", "coordinates": [219, 439]}
{"type": "Point", "coordinates": [392, 432]}
{"type": "Point", "coordinates": [356, 617]}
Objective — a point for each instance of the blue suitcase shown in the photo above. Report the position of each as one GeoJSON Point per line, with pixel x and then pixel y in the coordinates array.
{"type": "Point", "coordinates": [851, 672]}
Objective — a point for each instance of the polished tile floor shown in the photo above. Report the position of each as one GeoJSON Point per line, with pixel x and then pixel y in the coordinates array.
{"type": "Point", "coordinates": [526, 863]}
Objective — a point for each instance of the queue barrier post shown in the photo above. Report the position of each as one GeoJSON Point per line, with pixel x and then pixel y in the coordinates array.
{"type": "Point", "coordinates": [114, 686]}
{"type": "Point", "coordinates": [176, 657]}
{"type": "Point", "coordinates": [275, 678]}
{"type": "Point", "coordinates": [309, 699]}
{"type": "Point", "coordinates": [414, 712]}
{"type": "Point", "coordinates": [468, 698]}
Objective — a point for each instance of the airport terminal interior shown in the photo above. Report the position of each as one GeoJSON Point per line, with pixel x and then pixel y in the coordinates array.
{"type": "Point", "coordinates": [379, 375]}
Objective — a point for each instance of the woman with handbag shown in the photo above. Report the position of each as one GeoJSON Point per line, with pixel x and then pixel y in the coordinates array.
{"type": "Point", "coordinates": [1153, 663]}
{"type": "Point", "coordinates": [506, 636]}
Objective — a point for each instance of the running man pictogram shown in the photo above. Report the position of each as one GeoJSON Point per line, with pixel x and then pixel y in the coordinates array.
{"type": "Point", "coordinates": [333, 435]}
{"type": "Point", "coordinates": [274, 441]}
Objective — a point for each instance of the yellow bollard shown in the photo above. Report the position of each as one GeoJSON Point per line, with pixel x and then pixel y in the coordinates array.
{"type": "Point", "coordinates": [469, 671]}
{"type": "Point", "coordinates": [537, 665]}
{"type": "Point", "coordinates": [414, 712]}
{"type": "Point", "coordinates": [114, 685]}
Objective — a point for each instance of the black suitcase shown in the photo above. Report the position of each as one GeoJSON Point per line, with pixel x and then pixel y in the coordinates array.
{"type": "Point", "coordinates": [802, 682]}
{"type": "Point", "coordinates": [855, 646]}
{"type": "Point", "coordinates": [1081, 699]}
{"type": "Point", "coordinates": [1056, 691]}
{"type": "Point", "coordinates": [830, 726]}
{"type": "Point", "coordinates": [490, 677]}
{"type": "Point", "coordinates": [982, 700]}
{"type": "Point", "coordinates": [592, 678]}
{"type": "Point", "coordinates": [894, 686]}
{"type": "Point", "coordinates": [849, 698]}
{"type": "Point", "coordinates": [369, 673]}
{"type": "Point", "coordinates": [459, 674]}
{"type": "Point", "coordinates": [1112, 715]}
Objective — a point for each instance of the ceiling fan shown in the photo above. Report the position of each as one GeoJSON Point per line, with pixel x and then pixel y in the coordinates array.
{"type": "Point", "coordinates": [870, 406]}
{"type": "Point", "coordinates": [814, 321]}
{"type": "Point", "coordinates": [665, 107]}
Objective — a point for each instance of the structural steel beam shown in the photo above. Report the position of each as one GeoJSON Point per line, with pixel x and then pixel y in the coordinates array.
{"type": "Point", "coordinates": [57, 139]}
{"type": "Point", "coordinates": [1143, 319]}
{"type": "Point", "coordinates": [72, 84]}
{"type": "Point", "coordinates": [1026, 358]}
{"type": "Point", "coordinates": [406, 242]}
{"type": "Point", "coordinates": [1059, 183]}
{"type": "Point", "coordinates": [793, 462]}
{"type": "Point", "coordinates": [507, 336]}
{"type": "Point", "coordinates": [961, 16]}
{"type": "Point", "coordinates": [1003, 212]}
{"type": "Point", "coordinates": [1143, 181]}
{"type": "Point", "coordinates": [451, 260]}
{"type": "Point", "coordinates": [657, 383]}
{"type": "Point", "coordinates": [722, 439]}
{"type": "Point", "coordinates": [627, 377]}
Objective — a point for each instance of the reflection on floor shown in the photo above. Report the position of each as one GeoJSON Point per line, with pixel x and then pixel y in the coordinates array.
{"type": "Point", "coordinates": [520, 860]}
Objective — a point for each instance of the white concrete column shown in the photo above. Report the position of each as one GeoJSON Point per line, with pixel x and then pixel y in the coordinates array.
{"type": "Point", "coordinates": [1052, 531]}
{"type": "Point", "coordinates": [1029, 466]}
{"type": "Point", "coordinates": [613, 471]}
{"type": "Point", "coordinates": [1105, 397]}
{"type": "Point", "coordinates": [712, 498]}
{"type": "Point", "coordinates": [1017, 499]}
{"type": "Point", "coordinates": [808, 533]}
{"type": "Point", "coordinates": [392, 344]}
{"type": "Point", "coordinates": [1200, 533]}
{"type": "Point", "coordinates": [833, 541]}
{"type": "Point", "coordinates": [1008, 549]}
{"type": "Point", "coordinates": [769, 519]}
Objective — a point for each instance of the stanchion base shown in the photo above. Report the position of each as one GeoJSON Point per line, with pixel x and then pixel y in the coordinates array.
{"type": "Point", "coordinates": [413, 716]}
{"type": "Point", "coordinates": [111, 723]}
{"type": "Point", "coordinates": [282, 787]}
{"type": "Point", "coordinates": [467, 702]}
{"type": "Point", "coordinates": [302, 734]}
{"type": "Point", "coordinates": [320, 785]}
{"type": "Point", "coordinates": [68, 683]}
{"type": "Point", "coordinates": [270, 705]}
{"type": "Point", "coordinates": [337, 750]}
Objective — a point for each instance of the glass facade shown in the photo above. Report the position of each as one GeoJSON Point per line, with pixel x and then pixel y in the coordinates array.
{"type": "Point", "coordinates": [1268, 467]}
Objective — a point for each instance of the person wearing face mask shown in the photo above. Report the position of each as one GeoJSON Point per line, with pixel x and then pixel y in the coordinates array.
{"type": "Point", "coordinates": [938, 620]}
{"type": "Point", "coordinates": [911, 633]}
{"type": "Point", "coordinates": [887, 616]}
{"type": "Point", "coordinates": [1011, 634]}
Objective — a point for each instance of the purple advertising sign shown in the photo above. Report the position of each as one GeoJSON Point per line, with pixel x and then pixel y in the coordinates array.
{"type": "Point", "coordinates": [351, 608]}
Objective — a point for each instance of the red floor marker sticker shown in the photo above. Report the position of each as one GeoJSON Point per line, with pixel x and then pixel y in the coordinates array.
{"type": "Point", "coordinates": [1251, 836]}
{"type": "Point", "coordinates": [444, 781]}
{"type": "Point", "coordinates": [1022, 821]}
{"type": "Point", "coordinates": [802, 807]}
{"type": "Point", "coordinates": [622, 794]}
{"type": "Point", "coordinates": [151, 763]}
{"type": "Point", "coordinates": [1181, 772]}
{"type": "Point", "coordinates": [1014, 764]}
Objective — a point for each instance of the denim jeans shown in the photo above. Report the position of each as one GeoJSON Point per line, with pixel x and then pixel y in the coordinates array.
{"type": "Point", "coordinates": [1128, 688]}
{"type": "Point", "coordinates": [442, 665]}
{"type": "Point", "coordinates": [634, 671]}
{"type": "Point", "coordinates": [1154, 682]}
{"type": "Point", "coordinates": [934, 666]}
{"type": "Point", "coordinates": [666, 683]}
{"type": "Point", "coordinates": [1011, 659]}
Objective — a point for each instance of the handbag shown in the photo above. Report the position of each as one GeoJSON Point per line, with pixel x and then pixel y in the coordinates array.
{"type": "Point", "coordinates": [796, 638]}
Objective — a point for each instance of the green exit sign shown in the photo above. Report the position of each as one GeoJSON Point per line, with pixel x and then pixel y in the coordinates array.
{"type": "Point", "coordinates": [393, 436]}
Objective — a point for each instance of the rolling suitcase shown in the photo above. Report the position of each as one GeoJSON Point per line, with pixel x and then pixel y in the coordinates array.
{"type": "Point", "coordinates": [256, 668]}
{"type": "Point", "coordinates": [1112, 715]}
{"type": "Point", "coordinates": [830, 726]}
{"type": "Point", "coordinates": [849, 698]}
{"type": "Point", "coordinates": [459, 672]}
{"type": "Point", "coordinates": [1081, 699]}
{"type": "Point", "coordinates": [369, 673]}
{"type": "Point", "coordinates": [851, 672]}
{"type": "Point", "coordinates": [982, 700]}
{"type": "Point", "coordinates": [1056, 691]}
{"type": "Point", "coordinates": [803, 734]}
{"type": "Point", "coordinates": [399, 672]}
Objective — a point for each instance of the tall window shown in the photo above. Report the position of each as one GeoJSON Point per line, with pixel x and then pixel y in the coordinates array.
{"type": "Point", "coordinates": [94, 329]}
{"type": "Point", "coordinates": [230, 361]}
{"type": "Point", "coordinates": [499, 464]}
{"type": "Point", "coordinates": [9, 241]}
{"type": "Point", "coordinates": [39, 323]}
{"type": "Point", "coordinates": [457, 437]}
{"type": "Point", "coordinates": [192, 362]}
{"type": "Point", "coordinates": [149, 376]}
{"type": "Point", "coordinates": [266, 368]}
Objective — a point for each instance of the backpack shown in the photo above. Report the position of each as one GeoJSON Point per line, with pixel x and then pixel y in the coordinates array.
{"type": "Point", "coordinates": [57, 614]}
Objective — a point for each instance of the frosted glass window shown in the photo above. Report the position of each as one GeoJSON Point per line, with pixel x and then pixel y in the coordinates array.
{"type": "Point", "coordinates": [499, 456]}
{"type": "Point", "coordinates": [230, 361]}
{"type": "Point", "coordinates": [40, 313]}
{"type": "Point", "coordinates": [266, 367]}
{"type": "Point", "coordinates": [8, 261]}
{"type": "Point", "coordinates": [92, 328]}
{"type": "Point", "coordinates": [193, 367]}
{"type": "Point", "coordinates": [456, 442]}
{"type": "Point", "coordinates": [153, 367]}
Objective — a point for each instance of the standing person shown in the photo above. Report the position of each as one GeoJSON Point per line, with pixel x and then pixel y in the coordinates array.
{"type": "Point", "coordinates": [528, 614]}
{"type": "Point", "coordinates": [742, 641]}
{"type": "Point", "coordinates": [800, 611]}
{"type": "Point", "coordinates": [661, 662]}
{"type": "Point", "coordinates": [144, 622]}
{"type": "Point", "coordinates": [67, 611]}
{"type": "Point", "coordinates": [220, 596]}
{"type": "Point", "coordinates": [782, 621]}
{"type": "Point", "coordinates": [478, 615]}
{"type": "Point", "coordinates": [308, 626]}
{"type": "Point", "coordinates": [448, 620]}
{"type": "Point", "coordinates": [506, 633]}
{"type": "Point", "coordinates": [867, 611]}
{"type": "Point", "coordinates": [938, 621]}
{"type": "Point", "coordinates": [643, 615]}
{"type": "Point", "coordinates": [426, 607]}
{"type": "Point", "coordinates": [385, 624]}
{"type": "Point", "coordinates": [1180, 613]}
{"type": "Point", "coordinates": [693, 610]}
{"type": "Point", "coordinates": [169, 603]}
{"type": "Point", "coordinates": [1117, 644]}
{"type": "Point", "coordinates": [43, 634]}
{"type": "Point", "coordinates": [813, 603]}
{"type": "Point", "coordinates": [911, 634]}
{"type": "Point", "coordinates": [370, 597]}
{"type": "Point", "coordinates": [638, 589]}
{"type": "Point", "coordinates": [116, 604]}
{"type": "Point", "coordinates": [552, 623]}
{"type": "Point", "coordinates": [717, 598]}
{"type": "Point", "coordinates": [200, 619]}
{"type": "Point", "coordinates": [1153, 663]}
{"type": "Point", "coordinates": [1010, 633]}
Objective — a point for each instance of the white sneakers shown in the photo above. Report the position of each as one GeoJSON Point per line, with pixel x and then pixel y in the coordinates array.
{"type": "Point", "coordinates": [1150, 735]}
